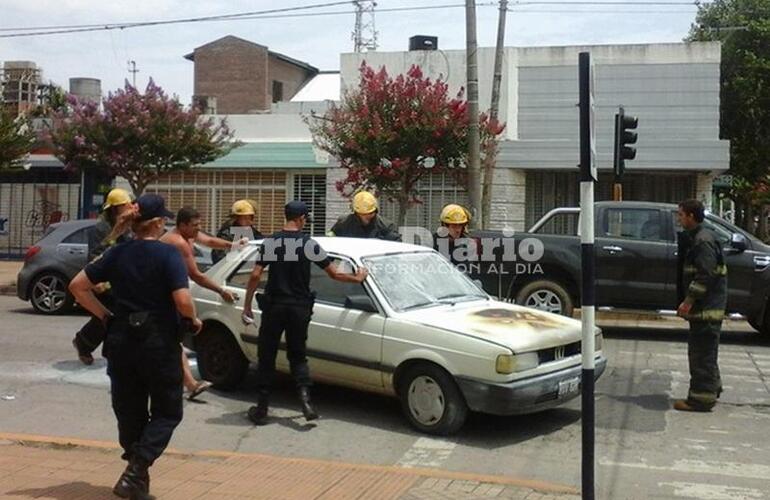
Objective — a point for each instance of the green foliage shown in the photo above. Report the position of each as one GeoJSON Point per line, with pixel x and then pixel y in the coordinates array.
{"type": "Point", "coordinates": [16, 139]}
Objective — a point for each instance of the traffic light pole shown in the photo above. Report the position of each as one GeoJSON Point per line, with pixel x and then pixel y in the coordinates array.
{"type": "Point", "coordinates": [587, 298]}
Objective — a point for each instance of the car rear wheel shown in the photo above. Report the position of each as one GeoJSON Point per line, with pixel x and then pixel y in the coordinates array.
{"type": "Point", "coordinates": [220, 359]}
{"type": "Point", "coordinates": [547, 296]}
{"type": "Point", "coordinates": [49, 294]}
{"type": "Point", "coordinates": [431, 399]}
{"type": "Point", "coordinates": [762, 325]}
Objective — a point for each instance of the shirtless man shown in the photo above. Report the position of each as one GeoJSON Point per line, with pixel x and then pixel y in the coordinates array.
{"type": "Point", "coordinates": [182, 236]}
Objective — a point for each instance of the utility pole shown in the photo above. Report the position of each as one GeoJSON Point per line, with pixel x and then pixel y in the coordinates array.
{"type": "Point", "coordinates": [132, 69]}
{"type": "Point", "coordinates": [364, 34]}
{"type": "Point", "coordinates": [494, 108]}
{"type": "Point", "coordinates": [474, 168]}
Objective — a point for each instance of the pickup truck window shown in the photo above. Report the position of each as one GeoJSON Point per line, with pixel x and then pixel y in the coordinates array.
{"type": "Point", "coordinates": [723, 234]}
{"type": "Point", "coordinates": [562, 224]}
{"type": "Point", "coordinates": [632, 223]}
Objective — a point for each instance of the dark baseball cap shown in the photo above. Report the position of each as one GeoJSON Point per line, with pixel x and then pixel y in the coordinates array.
{"type": "Point", "coordinates": [295, 208]}
{"type": "Point", "coordinates": [151, 206]}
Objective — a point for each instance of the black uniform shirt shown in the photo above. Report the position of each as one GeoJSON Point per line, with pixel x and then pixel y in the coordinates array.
{"type": "Point", "coordinates": [143, 274]}
{"type": "Point", "coordinates": [288, 254]}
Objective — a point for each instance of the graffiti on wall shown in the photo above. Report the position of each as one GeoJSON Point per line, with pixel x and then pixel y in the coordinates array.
{"type": "Point", "coordinates": [47, 209]}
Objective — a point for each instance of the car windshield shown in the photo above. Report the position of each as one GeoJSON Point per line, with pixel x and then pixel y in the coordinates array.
{"type": "Point", "coordinates": [420, 279]}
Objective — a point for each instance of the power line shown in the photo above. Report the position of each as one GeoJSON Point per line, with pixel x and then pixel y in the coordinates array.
{"type": "Point", "coordinates": [280, 14]}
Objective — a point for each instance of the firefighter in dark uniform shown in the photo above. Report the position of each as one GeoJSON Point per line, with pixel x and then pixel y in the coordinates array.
{"type": "Point", "coordinates": [240, 224]}
{"type": "Point", "coordinates": [365, 221]}
{"type": "Point", "coordinates": [704, 274]}
{"type": "Point", "coordinates": [151, 304]}
{"type": "Point", "coordinates": [113, 226]}
{"type": "Point", "coordinates": [452, 239]}
{"type": "Point", "coordinates": [287, 304]}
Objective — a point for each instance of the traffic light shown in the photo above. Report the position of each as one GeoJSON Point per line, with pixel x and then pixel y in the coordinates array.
{"type": "Point", "coordinates": [623, 137]}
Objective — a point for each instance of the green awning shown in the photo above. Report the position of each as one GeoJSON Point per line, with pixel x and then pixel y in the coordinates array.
{"type": "Point", "coordinates": [270, 155]}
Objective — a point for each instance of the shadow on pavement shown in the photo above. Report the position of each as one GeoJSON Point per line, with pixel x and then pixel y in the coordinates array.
{"type": "Point", "coordinates": [680, 335]}
{"type": "Point", "coordinates": [66, 491]}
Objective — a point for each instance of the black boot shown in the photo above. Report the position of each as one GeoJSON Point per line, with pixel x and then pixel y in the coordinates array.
{"type": "Point", "coordinates": [134, 483]}
{"type": "Point", "coordinates": [258, 414]}
{"type": "Point", "coordinates": [307, 405]}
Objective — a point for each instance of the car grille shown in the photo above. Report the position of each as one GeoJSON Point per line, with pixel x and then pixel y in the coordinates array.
{"type": "Point", "coordinates": [558, 352]}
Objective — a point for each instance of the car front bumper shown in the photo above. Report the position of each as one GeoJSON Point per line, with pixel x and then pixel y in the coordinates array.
{"type": "Point", "coordinates": [528, 395]}
{"type": "Point", "coordinates": [23, 280]}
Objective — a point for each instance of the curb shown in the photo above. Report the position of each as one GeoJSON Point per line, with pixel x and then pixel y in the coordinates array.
{"type": "Point", "coordinates": [532, 484]}
{"type": "Point", "coordinates": [9, 290]}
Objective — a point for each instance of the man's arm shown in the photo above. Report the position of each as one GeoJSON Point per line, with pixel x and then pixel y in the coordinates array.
{"type": "Point", "coordinates": [212, 241]}
{"type": "Point", "coordinates": [334, 273]}
{"type": "Point", "coordinates": [82, 289]}
{"type": "Point", "coordinates": [251, 287]}
{"type": "Point", "coordinates": [388, 231]}
{"type": "Point", "coordinates": [705, 263]}
{"type": "Point", "coordinates": [194, 273]}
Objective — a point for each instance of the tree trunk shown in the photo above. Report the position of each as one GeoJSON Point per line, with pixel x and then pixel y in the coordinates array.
{"type": "Point", "coordinates": [749, 214]}
{"type": "Point", "coordinates": [762, 231]}
{"type": "Point", "coordinates": [403, 206]}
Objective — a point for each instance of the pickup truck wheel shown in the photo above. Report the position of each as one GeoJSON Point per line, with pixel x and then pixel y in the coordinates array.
{"type": "Point", "coordinates": [547, 296]}
{"type": "Point", "coordinates": [220, 359]}
{"type": "Point", "coordinates": [760, 325]}
{"type": "Point", "coordinates": [431, 400]}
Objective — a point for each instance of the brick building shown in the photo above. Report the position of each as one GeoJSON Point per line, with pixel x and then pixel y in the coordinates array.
{"type": "Point", "coordinates": [236, 76]}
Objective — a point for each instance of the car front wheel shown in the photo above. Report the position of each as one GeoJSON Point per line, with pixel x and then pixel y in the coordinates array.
{"type": "Point", "coordinates": [431, 400]}
{"type": "Point", "coordinates": [220, 359]}
{"type": "Point", "coordinates": [49, 294]}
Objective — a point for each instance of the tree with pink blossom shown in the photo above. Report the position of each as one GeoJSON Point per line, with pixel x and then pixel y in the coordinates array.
{"type": "Point", "coordinates": [391, 132]}
{"type": "Point", "coordinates": [137, 136]}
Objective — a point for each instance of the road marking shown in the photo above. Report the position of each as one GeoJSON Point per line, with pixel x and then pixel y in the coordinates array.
{"type": "Point", "coordinates": [427, 452]}
{"type": "Point", "coordinates": [713, 491]}
{"type": "Point", "coordinates": [730, 469]}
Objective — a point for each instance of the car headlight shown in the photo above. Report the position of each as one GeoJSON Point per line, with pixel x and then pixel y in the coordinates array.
{"type": "Point", "coordinates": [510, 363]}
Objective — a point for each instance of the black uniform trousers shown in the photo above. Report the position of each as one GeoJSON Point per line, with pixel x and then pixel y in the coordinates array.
{"type": "Point", "coordinates": [143, 365]}
{"type": "Point", "coordinates": [88, 338]}
{"type": "Point", "coordinates": [702, 353]}
{"type": "Point", "coordinates": [294, 320]}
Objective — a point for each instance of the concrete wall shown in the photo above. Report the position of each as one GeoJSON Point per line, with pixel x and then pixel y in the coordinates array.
{"type": "Point", "coordinates": [293, 77]}
{"type": "Point", "coordinates": [508, 199]}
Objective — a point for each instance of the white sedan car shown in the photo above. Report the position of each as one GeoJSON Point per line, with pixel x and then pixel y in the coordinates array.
{"type": "Point", "coordinates": [417, 329]}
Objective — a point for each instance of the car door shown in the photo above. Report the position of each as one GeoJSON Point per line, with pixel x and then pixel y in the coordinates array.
{"type": "Point", "coordinates": [73, 251]}
{"type": "Point", "coordinates": [344, 345]}
{"type": "Point", "coordinates": [740, 266]}
{"type": "Point", "coordinates": [633, 258]}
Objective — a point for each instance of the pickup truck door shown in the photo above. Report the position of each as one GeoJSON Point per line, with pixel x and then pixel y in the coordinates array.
{"type": "Point", "coordinates": [740, 267]}
{"type": "Point", "coordinates": [635, 262]}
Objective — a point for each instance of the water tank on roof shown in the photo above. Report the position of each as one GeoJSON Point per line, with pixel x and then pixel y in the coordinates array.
{"type": "Point", "coordinates": [86, 89]}
{"type": "Point", "coordinates": [423, 42]}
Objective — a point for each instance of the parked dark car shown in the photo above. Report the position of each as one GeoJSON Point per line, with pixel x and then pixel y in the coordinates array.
{"type": "Point", "coordinates": [56, 258]}
{"type": "Point", "coordinates": [636, 262]}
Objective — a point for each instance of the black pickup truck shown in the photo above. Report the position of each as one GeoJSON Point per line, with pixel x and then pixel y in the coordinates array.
{"type": "Point", "coordinates": [636, 262]}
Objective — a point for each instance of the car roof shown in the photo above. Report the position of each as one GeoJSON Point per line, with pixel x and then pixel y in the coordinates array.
{"type": "Point", "coordinates": [365, 247]}
{"type": "Point", "coordinates": [73, 224]}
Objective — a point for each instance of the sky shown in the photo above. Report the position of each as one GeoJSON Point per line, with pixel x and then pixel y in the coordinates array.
{"type": "Point", "coordinates": [158, 51]}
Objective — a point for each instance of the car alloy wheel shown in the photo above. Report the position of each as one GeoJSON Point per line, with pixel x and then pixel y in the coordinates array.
{"type": "Point", "coordinates": [49, 294]}
{"type": "Point", "coordinates": [426, 400]}
{"type": "Point", "coordinates": [545, 300]}
{"type": "Point", "coordinates": [220, 359]}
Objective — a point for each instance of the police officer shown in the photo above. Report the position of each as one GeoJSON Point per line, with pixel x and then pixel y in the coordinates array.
{"type": "Point", "coordinates": [240, 224]}
{"type": "Point", "coordinates": [704, 273]}
{"type": "Point", "coordinates": [113, 226]}
{"type": "Point", "coordinates": [365, 222]}
{"type": "Point", "coordinates": [287, 304]}
{"type": "Point", "coordinates": [151, 300]}
{"type": "Point", "coordinates": [452, 239]}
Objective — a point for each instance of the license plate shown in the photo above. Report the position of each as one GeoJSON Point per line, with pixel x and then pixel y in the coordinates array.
{"type": "Point", "coordinates": [569, 386]}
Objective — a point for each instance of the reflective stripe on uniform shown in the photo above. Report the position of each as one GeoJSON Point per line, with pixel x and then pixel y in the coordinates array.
{"type": "Point", "coordinates": [721, 270]}
{"type": "Point", "coordinates": [707, 315]}
{"type": "Point", "coordinates": [702, 397]}
{"type": "Point", "coordinates": [697, 289]}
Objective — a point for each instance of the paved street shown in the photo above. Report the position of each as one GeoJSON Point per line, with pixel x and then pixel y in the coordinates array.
{"type": "Point", "coordinates": [644, 449]}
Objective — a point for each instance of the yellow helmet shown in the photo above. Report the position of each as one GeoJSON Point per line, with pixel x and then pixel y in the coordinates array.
{"type": "Point", "coordinates": [454, 214]}
{"type": "Point", "coordinates": [364, 203]}
{"type": "Point", "coordinates": [242, 207]}
{"type": "Point", "coordinates": [117, 197]}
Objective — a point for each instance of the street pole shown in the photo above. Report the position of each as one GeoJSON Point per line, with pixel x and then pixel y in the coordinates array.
{"type": "Point", "coordinates": [474, 167]}
{"type": "Point", "coordinates": [587, 297]}
{"type": "Point", "coordinates": [494, 108]}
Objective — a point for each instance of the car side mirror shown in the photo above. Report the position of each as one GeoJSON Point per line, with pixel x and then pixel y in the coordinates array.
{"type": "Point", "coordinates": [739, 242]}
{"type": "Point", "coordinates": [361, 302]}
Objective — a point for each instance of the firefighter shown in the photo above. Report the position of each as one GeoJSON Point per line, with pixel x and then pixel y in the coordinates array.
{"type": "Point", "coordinates": [240, 224]}
{"type": "Point", "coordinates": [704, 274]}
{"type": "Point", "coordinates": [113, 226]}
{"type": "Point", "coordinates": [365, 221]}
{"type": "Point", "coordinates": [151, 304]}
{"type": "Point", "coordinates": [452, 239]}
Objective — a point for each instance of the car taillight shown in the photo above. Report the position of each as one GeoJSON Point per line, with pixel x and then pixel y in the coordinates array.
{"type": "Point", "coordinates": [31, 252]}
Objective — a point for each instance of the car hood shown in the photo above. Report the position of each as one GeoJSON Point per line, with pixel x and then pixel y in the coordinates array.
{"type": "Point", "coordinates": [519, 328]}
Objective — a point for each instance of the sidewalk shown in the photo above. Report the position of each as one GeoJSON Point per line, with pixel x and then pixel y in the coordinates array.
{"type": "Point", "coordinates": [8, 271]}
{"type": "Point", "coordinates": [60, 468]}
